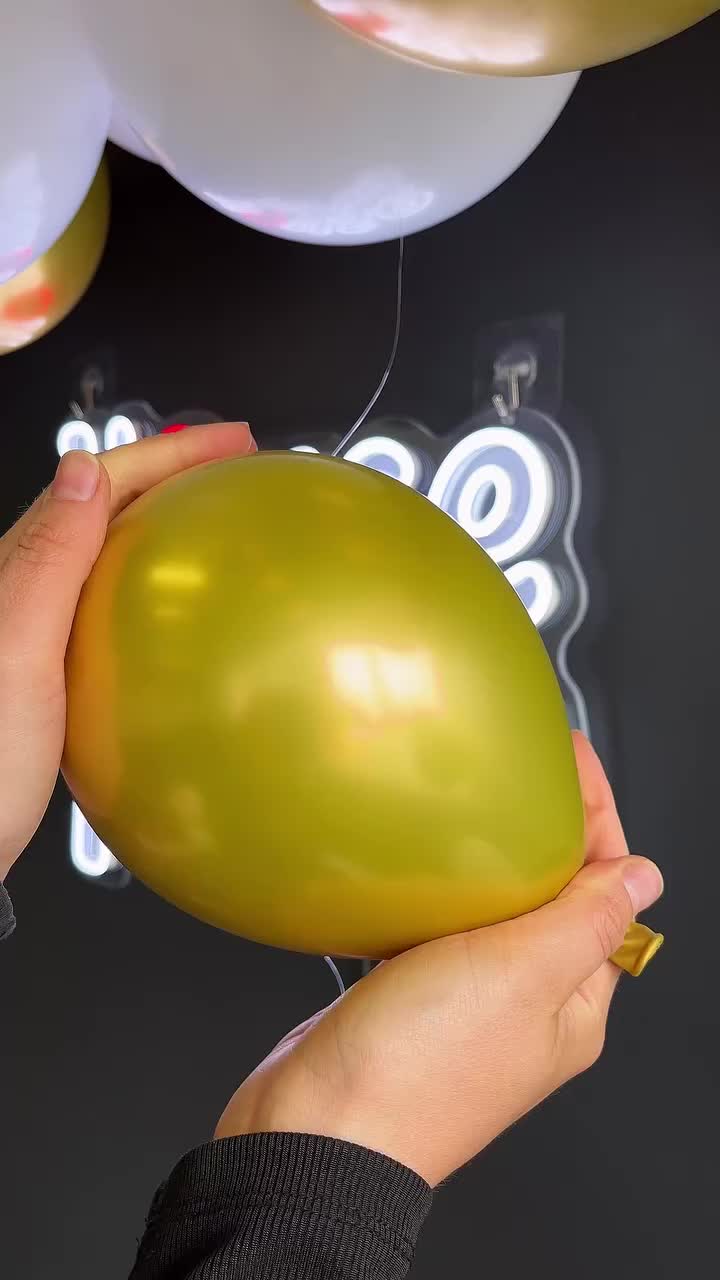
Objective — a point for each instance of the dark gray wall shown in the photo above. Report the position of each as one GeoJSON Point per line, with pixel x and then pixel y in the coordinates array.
{"type": "Point", "coordinates": [128, 1025]}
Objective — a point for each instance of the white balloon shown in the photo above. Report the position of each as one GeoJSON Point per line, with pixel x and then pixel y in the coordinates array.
{"type": "Point", "coordinates": [123, 135]}
{"type": "Point", "coordinates": [268, 112]}
{"type": "Point", "coordinates": [54, 113]}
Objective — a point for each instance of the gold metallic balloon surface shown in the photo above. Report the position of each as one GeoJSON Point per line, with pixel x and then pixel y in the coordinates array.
{"type": "Point", "coordinates": [305, 706]}
{"type": "Point", "coordinates": [37, 299]}
{"type": "Point", "coordinates": [515, 37]}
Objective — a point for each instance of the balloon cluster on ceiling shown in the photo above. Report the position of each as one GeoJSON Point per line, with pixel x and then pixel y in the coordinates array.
{"type": "Point", "coordinates": [286, 115]}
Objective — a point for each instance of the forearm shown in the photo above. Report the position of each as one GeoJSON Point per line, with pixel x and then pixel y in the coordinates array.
{"type": "Point", "coordinates": [284, 1207]}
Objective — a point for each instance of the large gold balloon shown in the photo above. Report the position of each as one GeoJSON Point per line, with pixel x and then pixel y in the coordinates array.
{"type": "Point", "coordinates": [37, 299]}
{"type": "Point", "coordinates": [305, 706]}
{"type": "Point", "coordinates": [515, 37]}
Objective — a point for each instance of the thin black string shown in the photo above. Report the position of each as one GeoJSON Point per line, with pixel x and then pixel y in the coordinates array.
{"type": "Point", "coordinates": [393, 352]}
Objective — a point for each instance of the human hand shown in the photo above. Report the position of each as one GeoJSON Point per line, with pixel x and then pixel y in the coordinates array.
{"type": "Point", "coordinates": [44, 561]}
{"type": "Point", "coordinates": [438, 1051]}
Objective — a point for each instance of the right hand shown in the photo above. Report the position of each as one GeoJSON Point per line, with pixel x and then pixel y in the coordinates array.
{"type": "Point", "coordinates": [438, 1051]}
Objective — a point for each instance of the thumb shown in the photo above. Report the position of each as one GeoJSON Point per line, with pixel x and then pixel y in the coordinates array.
{"type": "Point", "coordinates": [566, 942]}
{"type": "Point", "coordinates": [45, 559]}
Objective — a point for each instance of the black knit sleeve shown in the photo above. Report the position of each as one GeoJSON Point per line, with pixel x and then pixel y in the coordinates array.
{"type": "Point", "coordinates": [7, 918]}
{"type": "Point", "coordinates": [284, 1207]}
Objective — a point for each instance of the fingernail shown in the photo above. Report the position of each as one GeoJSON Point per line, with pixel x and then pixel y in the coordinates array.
{"type": "Point", "coordinates": [77, 477]}
{"type": "Point", "coordinates": [643, 882]}
{"type": "Point", "coordinates": [252, 446]}
{"type": "Point", "coordinates": [174, 427]}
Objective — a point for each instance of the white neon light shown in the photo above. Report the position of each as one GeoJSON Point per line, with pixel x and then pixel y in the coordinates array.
{"type": "Point", "coordinates": [88, 854]}
{"type": "Point", "coordinates": [488, 476]}
{"type": "Point", "coordinates": [377, 451]}
{"type": "Point", "coordinates": [580, 585]}
{"type": "Point", "coordinates": [304, 448]}
{"type": "Point", "coordinates": [530, 502]}
{"type": "Point", "coordinates": [545, 592]}
{"type": "Point", "coordinates": [119, 430]}
{"type": "Point", "coordinates": [76, 434]}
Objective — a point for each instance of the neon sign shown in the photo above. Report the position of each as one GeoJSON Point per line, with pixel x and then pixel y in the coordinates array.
{"type": "Point", "coordinates": [515, 489]}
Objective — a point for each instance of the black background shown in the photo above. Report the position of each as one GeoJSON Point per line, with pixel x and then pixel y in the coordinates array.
{"type": "Point", "coordinates": [126, 1025]}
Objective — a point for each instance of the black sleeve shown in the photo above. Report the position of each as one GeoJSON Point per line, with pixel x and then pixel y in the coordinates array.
{"type": "Point", "coordinates": [7, 918]}
{"type": "Point", "coordinates": [284, 1206]}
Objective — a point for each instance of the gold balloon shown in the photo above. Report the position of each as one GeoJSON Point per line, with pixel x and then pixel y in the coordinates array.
{"type": "Point", "coordinates": [37, 299]}
{"type": "Point", "coordinates": [305, 706]}
{"type": "Point", "coordinates": [515, 37]}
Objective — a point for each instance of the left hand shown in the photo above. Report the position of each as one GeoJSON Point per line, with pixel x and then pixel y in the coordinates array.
{"type": "Point", "coordinates": [44, 561]}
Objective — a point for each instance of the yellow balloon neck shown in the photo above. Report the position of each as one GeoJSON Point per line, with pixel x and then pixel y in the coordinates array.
{"type": "Point", "coordinates": [641, 945]}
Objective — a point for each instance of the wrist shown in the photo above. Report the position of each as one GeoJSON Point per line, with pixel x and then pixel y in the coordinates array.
{"type": "Point", "coordinates": [361, 1122]}
{"type": "Point", "coordinates": [259, 1108]}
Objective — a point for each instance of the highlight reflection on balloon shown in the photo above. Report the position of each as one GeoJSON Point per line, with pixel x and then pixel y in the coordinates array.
{"type": "Point", "coordinates": [34, 302]}
{"type": "Point", "coordinates": [513, 37]}
{"type": "Point", "coordinates": [305, 706]}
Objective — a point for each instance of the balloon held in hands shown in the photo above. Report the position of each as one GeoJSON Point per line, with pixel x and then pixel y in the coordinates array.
{"type": "Point", "coordinates": [305, 706]}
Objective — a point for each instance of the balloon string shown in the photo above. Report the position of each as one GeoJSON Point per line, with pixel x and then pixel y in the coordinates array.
{"type": "Point", "coordinates": [336, 973]}
{"type": "Point", "coordinates": [348, 437]}
{"type": "Point", "coordinates": [393, 352]}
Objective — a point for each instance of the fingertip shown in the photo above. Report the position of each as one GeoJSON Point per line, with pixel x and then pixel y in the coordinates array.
{"type": "Point", "coordinates": [643, 882]}
{"type": "Point", "coordinates": [593, 779]}
{"type": "Point", "coordinates": [135, 468]}
{"type": "Point", "coordinates": [220, 439]}
{"type": "Point", "coordinates": [213, 442]}
{"type": "Point", "coordinates": [77, 477]}
{"type": "Point", "coordinates": [605, 838]}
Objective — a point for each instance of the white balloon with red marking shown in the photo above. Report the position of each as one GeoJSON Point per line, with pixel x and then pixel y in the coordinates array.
{"type": "Point", "coordinates": [271, 115]}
